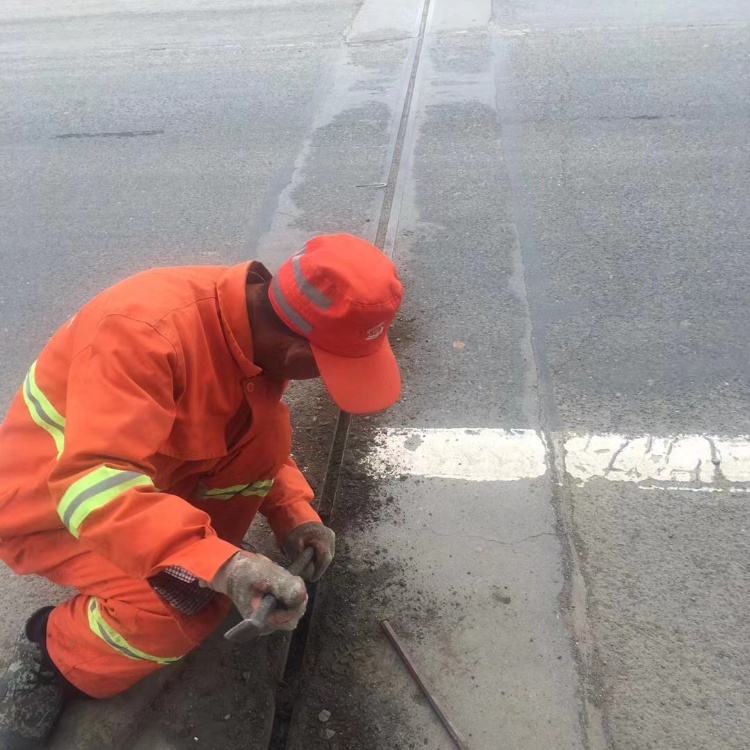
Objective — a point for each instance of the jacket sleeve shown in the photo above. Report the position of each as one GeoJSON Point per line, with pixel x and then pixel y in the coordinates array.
{"type": "Point", "coordinates": [120, 408]}
{"type": "Point", "coordinates": [289, 503]}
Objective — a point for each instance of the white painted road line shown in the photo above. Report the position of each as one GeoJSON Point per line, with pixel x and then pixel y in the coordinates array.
{"type": "Point", "coordinates": [473, 455]}
{"type": "Point", "coordinates": [700, 459]}
{"type": "Point", "coordinates": [681, 462]}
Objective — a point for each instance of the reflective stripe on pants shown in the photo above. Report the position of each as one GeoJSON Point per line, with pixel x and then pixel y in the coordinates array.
{"type": "Point", "coordinates": [144, 633]}
{"type": "Point", "coordinates": [109, 635]}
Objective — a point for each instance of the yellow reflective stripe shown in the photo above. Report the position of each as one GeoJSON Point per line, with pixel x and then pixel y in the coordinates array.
{"type": "Point", "coordinates": [225, 490]}
{"type": "Point", "coordinates": [229, 496]}
{"type": "Point", "coordinates": [41, 410]}
{"type": "Point", "coordinates": [94, 491]}
{"type": "Point", "coordinates": [107, 633]}
{"type": "Point", "coordinates": [259, 489]}
{"type": "Point", "coordinates": [256, 489]}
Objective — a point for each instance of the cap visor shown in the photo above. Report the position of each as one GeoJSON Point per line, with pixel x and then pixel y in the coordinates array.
{"type": "Point", "coordinates": [361, 385]}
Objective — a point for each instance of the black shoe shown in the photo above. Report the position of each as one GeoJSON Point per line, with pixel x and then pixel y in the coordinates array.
{"type": "Point", "coordinates": [31, 695]}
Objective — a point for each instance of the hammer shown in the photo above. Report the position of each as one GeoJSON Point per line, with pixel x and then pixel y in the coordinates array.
{"type": "Point", "coordinates": [253, 626]}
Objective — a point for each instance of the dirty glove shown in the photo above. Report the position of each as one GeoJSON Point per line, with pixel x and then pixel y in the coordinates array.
{"type": "Point", "coordinates": [246, 578]}
{"type": "Point", "coordinates": [314, 535]}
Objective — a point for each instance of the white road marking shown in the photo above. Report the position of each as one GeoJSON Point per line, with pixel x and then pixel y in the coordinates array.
{"type": "Point", "coordinates": [686, 488]}
{"type": "Point", "coordinates": [481, 455]}
{"type": "Point", "coordinates": [681, 462]}
{"type": "Point", "coordinates": [700, 459]}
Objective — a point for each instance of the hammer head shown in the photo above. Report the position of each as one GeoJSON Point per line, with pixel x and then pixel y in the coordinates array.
{"type": "Point", "coordinates": [247, 630]}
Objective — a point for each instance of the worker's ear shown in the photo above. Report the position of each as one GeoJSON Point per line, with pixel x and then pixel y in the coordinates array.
{"type": "Point", "coordinates": [298, 349]}
{"type": "Point", "coordinates": [299, 360]}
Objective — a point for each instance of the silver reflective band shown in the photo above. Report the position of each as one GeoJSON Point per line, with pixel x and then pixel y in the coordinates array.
{"type": "Point", "coordinates": [309, 290]}
{"type": "Point", "coordinates": [294, 317]}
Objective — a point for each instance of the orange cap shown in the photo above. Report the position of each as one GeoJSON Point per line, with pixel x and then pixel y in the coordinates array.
{"type": "Point", "coordinates": [342, 293]}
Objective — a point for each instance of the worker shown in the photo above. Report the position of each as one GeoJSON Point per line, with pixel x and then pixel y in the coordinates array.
{"type": "Point", "coordinates": [142, 443]}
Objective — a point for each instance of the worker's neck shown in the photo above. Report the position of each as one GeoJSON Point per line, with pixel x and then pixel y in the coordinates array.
{"type": "Point", "coordinates": [258, 308]}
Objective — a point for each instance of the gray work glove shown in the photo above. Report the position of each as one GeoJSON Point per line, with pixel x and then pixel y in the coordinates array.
{"type": "Point", "coordinates": [246, 578]}
{"type": "Point", "coordinates": [317, 536]}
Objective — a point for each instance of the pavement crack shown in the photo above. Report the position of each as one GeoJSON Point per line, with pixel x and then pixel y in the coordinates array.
{"type": "Point", "coordinates": [697, 471]}
{"type": "Point", "coordinates": [614, 458]}
{"type": "Point", "coordinates": [118, 134]}
{"type": "Point", "coordinates": [490, 538]}
{"type": "Point", "coordinates": [591, 329]}
{"type": "Point", "coordinates": [379, 40]}
{"type": "Point", "coordinates": [716, 461]}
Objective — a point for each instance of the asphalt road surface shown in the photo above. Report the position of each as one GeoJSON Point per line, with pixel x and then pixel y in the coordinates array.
{"type": "Point", "coordinates": [555, 517]}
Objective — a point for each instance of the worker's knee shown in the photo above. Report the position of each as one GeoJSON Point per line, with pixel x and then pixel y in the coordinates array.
{"type": "Point", "coordinates": [104, 646]}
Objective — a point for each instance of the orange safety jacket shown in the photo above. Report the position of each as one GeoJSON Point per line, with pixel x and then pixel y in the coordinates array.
{"type": "Point", "coordinates": [145, 429]}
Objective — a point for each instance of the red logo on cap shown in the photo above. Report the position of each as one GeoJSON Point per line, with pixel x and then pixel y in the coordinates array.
{"type": "Point", "coordinates": [376, 332]}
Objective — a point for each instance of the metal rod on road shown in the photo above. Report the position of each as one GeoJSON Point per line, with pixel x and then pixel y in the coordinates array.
{"type": "Point", "coordinates": [417, 677]}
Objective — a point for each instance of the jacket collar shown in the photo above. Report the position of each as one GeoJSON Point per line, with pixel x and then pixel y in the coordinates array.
{"type": "Point", "coordinates": [233, 312]}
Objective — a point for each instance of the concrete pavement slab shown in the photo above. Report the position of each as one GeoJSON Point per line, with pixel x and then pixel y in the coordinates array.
{"type": "Point", "coordinates": [625, 135]}
{"type": "Point", "coordinates": [668, 580]}
{"type": "Point", "coordinates": [626, 150]}
{"type": "Point", "coordinates": [541, 14]}
{"type": "Point", "coordinates": [468, 573]}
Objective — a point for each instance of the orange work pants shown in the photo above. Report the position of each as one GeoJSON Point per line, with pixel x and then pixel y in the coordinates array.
{"type": "Point", "coordinates": [117, 630]}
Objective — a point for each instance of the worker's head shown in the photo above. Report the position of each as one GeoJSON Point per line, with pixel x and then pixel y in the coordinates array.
{"type": "Point", "coordinates": [334, 303]}
{"type": "Point", "coordinates": [277, 349]}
